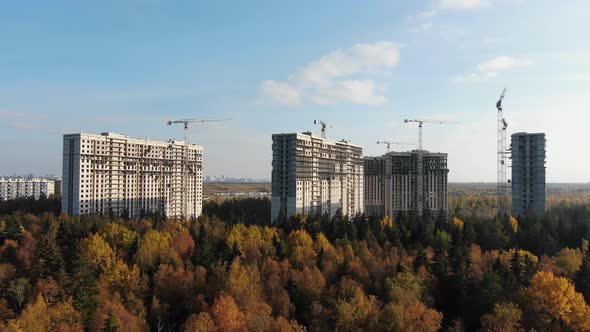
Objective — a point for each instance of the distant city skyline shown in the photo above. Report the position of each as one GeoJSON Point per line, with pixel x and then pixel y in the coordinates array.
{"type": "Point", "coordinates": [129, 66]}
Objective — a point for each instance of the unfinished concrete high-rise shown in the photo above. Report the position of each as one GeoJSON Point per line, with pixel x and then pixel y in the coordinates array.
{"type": "Point", "coordinates": [393, 182]}
{"type": "Point", "coordinates": [528, 173]}
{"type": "Point", "coordinates": [314, 175]}
{"type": "Point", "coordinates": [114, 174]}
{"type": "Point", "coordinates": [374, 185]}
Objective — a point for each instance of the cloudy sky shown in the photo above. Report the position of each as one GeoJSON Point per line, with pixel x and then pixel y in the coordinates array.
{"type": "Point", "coordinates": [274, 66]}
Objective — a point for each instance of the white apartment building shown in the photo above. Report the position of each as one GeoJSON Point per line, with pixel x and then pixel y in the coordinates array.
{"type": "Point", "coordinates": [12, 188]}
{"type": "Point", "coordinates": [313, 175]}
{"type": "Point", "coordinates": [393, 181]}
{"type": "Point", "coordinates": [112, 173]}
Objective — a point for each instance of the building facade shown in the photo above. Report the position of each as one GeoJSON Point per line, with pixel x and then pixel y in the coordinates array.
{"type": "Point", "coordinates": [57, 185]}
{"type": "Point", "coordinates": [528, 173]}
{"type": "Point", "coordinates": [392, 182]}
{"type": "Point", "coordinates": [314, 175]}
{"type": "Point", "coordinates": [111, 173]}
{"type": "Point", "coordinates": [374, 186]}
{"type": "Point", "coordinates": [12, 188]}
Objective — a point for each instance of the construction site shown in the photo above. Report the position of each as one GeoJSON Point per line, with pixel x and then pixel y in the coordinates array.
{"type": "Point", "coordinates": [311, 174]}
{"type": "Point", "coordinates": [314, 175]}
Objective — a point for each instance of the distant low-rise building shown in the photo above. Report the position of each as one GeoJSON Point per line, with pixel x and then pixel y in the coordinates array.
{"type": "Point", "coordinates": [12, 188]}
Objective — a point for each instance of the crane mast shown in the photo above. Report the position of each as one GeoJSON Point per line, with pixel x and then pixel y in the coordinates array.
{"type": "Point", "coordinates": [420, 167]}
{"type": "Point", "coordinates": [184, 192]}
{"type": "Point", "coordinates": [502, 157]}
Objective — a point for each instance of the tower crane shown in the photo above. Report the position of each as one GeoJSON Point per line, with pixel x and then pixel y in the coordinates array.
{"type": "Point", "coordinates": [501, 186]}
{"type": "Point", "coordinates": [185, 122]}
{"type": "Point", "coordinates": [420, 123]}
{"type": "Point", "coordinates": [499, 103]}
{"type": "Point", "coordinates": [324, 126]}
{"type": "Point", "coordinates": [419, 168]}
{"type": "Point", "coordinates": [389, 143]}
{"type": "Point", "coordinates": [184, 192]}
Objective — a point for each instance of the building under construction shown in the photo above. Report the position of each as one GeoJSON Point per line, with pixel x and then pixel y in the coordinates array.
{"type": "Point", "coordinates": [111, 173]}
{"type": "Point", "coordinates": [374, 185]}
{"type": "Point", "coordinates": [315, 175]}
{"type": "Point", "coordinates": [528, 173]}
{"type": "Point", "coordinates": [393, 182]}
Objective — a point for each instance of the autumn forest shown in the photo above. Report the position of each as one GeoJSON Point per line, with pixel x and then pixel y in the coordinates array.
{"type": "Point", "coordinates": [232, 270]}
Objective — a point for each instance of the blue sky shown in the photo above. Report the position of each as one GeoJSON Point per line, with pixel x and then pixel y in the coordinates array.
{"type": "Point", "coordinates": [274, 66]}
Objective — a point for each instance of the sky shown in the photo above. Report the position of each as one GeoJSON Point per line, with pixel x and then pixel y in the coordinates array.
{"type": "Point", "coordinates": [128, 66]}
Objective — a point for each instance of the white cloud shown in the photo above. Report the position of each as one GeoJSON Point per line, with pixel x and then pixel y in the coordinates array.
{"type": "Point", "coordinates": [427, 14]}
{"type": "Point", "coordinates": [356, 92]}
{"type": "Point", "coordinates": [10, 114]}
{"type": "Point", "coordinates": [22, 125]}
{"type": "Point", "coordinates": [361, 58]}
{"type": "Point", "coordinates": [341, 76]}
{"type": "Point", "coordinates": [473, 77]}
{"type": "Point", "coordinates": [462, 4]}
{"type": "Point", "coordinates": [282, 93]}
{"type": "Point", "coordinates": [422, 27]}
{"type": "Point", "coordinates": [20, 120]}
{"type": "Point", "coordinates": [452, 33]}
{"type": "Point", "coordinates": [503, 62]}
{"type": "Point", "coordinates": [490, 68]}
{"type": "Point", "coordinates": [442, 5]}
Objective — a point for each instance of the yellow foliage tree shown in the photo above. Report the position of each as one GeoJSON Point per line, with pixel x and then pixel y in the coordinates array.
{"type": "Point", "coordinates": [506, 317]}
{"type": "Point", "coordinates": [155, 247]}
{"type": "Point", "coordinates": [310, 282]}
{"type": "Point", "coordinates": [253, 241]}
{"type": "Point", "coordinates": [300, 248]}
{"type": "Point", "coordinates": [39, 317]}
{"type": "Point", "coordinates": [227, 314]}
{"type": "Point", "coordinates": [386, 223]}
{"type": "Point", "coordinates": [118, 236]}
{"type": "Point", "coordinates": [513, 223]}
{"type": "Point", "coordinates": [506, 257]}
{"type": "Point", "coordinates": [409, 317]}
{"type": "Point", "coordinates": [569, 261]}
{"type": "Point", "coordinates": [357, 313]}
{"type": "Point", "coordinates": [243, 283]}
{"type": "Point", "coordinates": [201, 322]}
{"type": "Point", "coordinates": [554, 303]}
{"type": "Point", "coordinates": [95, 251]}
{"type": "Point", "coordinates": [458, 223]}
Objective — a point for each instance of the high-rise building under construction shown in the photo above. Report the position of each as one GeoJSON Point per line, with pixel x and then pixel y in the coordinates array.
{"type": "Point", "coordinates": [528, 173]}
{"type": "Point", "coordinates": [111, 173]}
{"type": "Point", "coordinates": [315, 175]}
{"type": "Point", "coordinates": [391, 182]}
